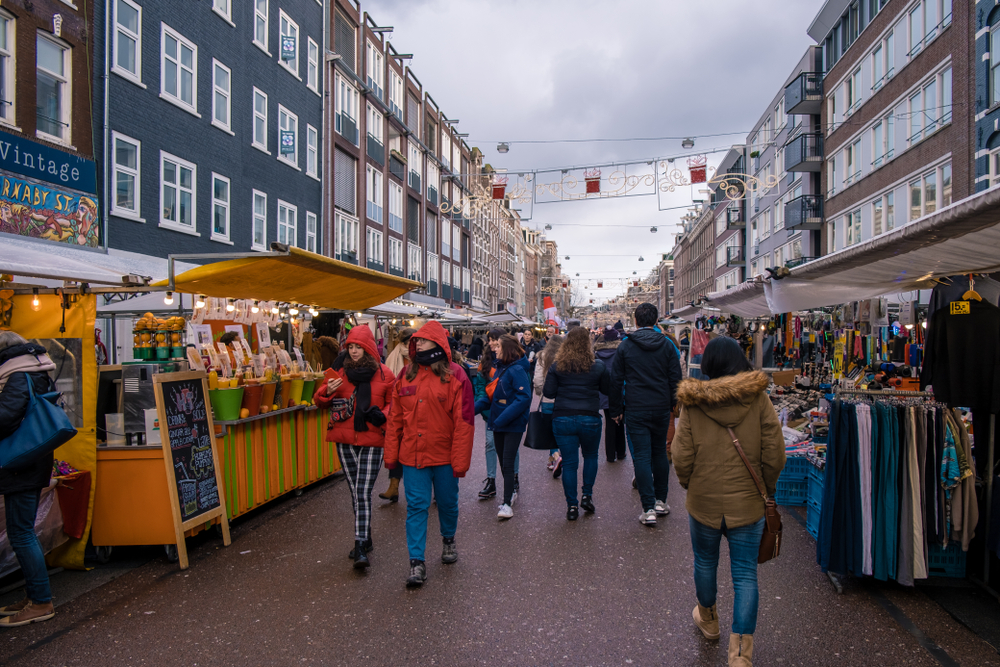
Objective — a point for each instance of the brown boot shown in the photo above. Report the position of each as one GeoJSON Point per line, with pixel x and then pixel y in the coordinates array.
{"type": "Point", "coordinates": [392, 493]}
{"type": "Point", "coordinates": [740, 650]}
{"type": "Point", "coordinates": [33, 612]}
{"type": "Point", "coordinates": [707, 621]}
{"type": "Point", "coordinates": [12, 609]}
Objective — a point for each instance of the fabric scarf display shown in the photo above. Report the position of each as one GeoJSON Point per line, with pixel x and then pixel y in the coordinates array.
{"type": "Point", "coordinates": [898, 479]}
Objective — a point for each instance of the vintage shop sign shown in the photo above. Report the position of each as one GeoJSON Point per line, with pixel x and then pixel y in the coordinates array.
{"type": "Point", "coordinates": [42, 211]}
{"type": "Point", "coordinates": [21, 156]}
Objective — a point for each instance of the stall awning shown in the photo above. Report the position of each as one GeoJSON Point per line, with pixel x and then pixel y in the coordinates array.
{"type": "Point", "coordinates": [745, 300]}
{"type": "Point", "coordinates": [502, 317]}
{"type": "Point", "coordinates": [294, 276]}
{"type": "Point", "coordinates": [56, 261]}
{"type": "Point", "coordinates": [688, 313]}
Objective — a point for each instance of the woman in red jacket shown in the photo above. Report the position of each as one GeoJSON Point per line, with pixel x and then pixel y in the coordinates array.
{"type": "Point", "coordinates": [430, 435]}
{"type": "Point", "coordinates": [357, 376]}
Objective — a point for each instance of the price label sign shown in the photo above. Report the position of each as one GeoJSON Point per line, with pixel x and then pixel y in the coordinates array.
{"type": "Point", "coordinates": [263, 335]}
{"type": "Point", "coordinates": [960, 308]}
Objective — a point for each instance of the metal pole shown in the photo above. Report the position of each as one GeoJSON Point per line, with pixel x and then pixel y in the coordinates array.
{"type": "Point", "coordinates": [989, 497]}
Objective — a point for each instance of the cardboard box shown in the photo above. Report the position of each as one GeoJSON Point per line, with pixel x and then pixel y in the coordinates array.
{"type": "Point", "coordinates": [784, 378]}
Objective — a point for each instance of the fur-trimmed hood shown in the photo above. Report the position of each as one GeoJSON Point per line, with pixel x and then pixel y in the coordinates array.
{"type": "Point", "coordinates": [725, 400]}
{"type": "Point", "coordinates": [606, 345]}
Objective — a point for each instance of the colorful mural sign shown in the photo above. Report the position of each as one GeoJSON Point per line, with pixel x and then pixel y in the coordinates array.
{"type": "Point", "coordinates": [40, 211]}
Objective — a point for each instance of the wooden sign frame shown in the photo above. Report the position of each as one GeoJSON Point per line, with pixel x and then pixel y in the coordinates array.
{"type": "Point", "coordinates": [168, 463]}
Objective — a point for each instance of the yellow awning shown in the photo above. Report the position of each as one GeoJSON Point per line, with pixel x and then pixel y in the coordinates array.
{"type": "Point", "coordinates": [297, 277]}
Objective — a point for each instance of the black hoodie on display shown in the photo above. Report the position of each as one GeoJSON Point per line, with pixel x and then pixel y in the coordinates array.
{"type": "Point", "coordinates": [645, 373]}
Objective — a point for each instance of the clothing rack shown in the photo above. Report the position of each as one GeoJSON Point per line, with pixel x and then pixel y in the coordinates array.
{"type": "Point", "coordinates": [885, 392]}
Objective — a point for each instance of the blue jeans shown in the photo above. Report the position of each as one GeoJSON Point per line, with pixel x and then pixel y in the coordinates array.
{"type": "Point", "coordinates": [418, 483]}
{"type": "Point", "coordinates": [573, 434]}
{"type": "Point", "coordinates": [21, 510]}
{"type": "Point", "coordinates": [646, 432]}
{"type": "Point", "coordinates": [744, 544]}
{"type": "Point", "coordinates": [491, 457]}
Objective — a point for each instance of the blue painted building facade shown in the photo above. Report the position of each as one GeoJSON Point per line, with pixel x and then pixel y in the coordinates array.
{"type": "Point", "coordinates": [986, 67]}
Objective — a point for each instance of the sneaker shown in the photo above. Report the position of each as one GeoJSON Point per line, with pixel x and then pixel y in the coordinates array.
{"type": "Point", "coordinates": [587, 503]}
{"type": "Point", "coordinates": [557, 472]}
{"type": "Point", "coordinates": [418, 574]}
{"type": "Point", "coordinates": [449, 553]}
{"type": "Point", "coordinates": [12, 609]}
{"type": "Point", "coordinates": [506, 512]}
{"type": "Point", "coordinates": [513, 498]}
{"type": "Point", "coordinates": [489, 490]}
{"type": "Point", "coordinates": [32, 612]}
{"type": "Point", "coordinates": [661, 508]}
{"type": "Point", "coordinates": [572, 513]}
{"type": "Point", "coordinates": [552, 462]}
{"type": "Point", "coordinates": [648, 518]}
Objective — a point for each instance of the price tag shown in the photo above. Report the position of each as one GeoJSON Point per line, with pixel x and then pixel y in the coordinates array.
{"type": "Point", "coordinates": [236, 328]}
{"type": "Point", "coordinates": [960, 308]}
{"type": "Point", "coordinates": [222, 349]}
{"type": "Point", "coordinates": [263, 335]}
{"type": "Point", "coordinates": [203, 333]}
{"type": "Point", "coordinates": [298, 357]}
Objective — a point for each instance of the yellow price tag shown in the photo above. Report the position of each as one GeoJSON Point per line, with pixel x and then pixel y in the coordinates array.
{"type": "Point", "coordinates": [960, 308]}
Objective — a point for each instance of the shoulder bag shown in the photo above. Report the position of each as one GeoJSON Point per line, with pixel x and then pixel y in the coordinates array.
{"type": "Point", "coordinates": [43, 429]}
{"type": "Point", "coordinates": [770, 540]}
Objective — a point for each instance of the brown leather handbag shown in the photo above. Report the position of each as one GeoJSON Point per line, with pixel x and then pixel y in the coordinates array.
{"type": "Point", "coordinates": [770, 540]}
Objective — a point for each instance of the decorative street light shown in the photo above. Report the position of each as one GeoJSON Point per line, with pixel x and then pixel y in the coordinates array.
{"type": "Point", "coordinates": [687, 144]}
{"type": "Point", "coordinates": [503, 147]}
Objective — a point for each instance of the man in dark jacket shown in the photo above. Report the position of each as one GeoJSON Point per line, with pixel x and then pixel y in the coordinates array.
{"type": "Point", "coordinates": [614, 432]}
{"type": "Point", "coordinates": [22, 362]}
{"type": "Point", "coordinates": [644, 378]}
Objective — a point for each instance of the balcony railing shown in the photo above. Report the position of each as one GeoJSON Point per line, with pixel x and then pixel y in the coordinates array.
{"type": "Point", "coordinates": [347, 128]}
{"type": "Point", "coordinates": [432, 288]}
{"type": "Point", "coordinates": [396, 271]}
{"type": "Point", "coordinates": [415, 181]}
{"type": "Point", "coordinates": [350, 257]}
{"type": "Point", "coordinates": [736, 256]}
{"type": "Point", "coordinates": [432, 195]}
{"type": "Point", "coordinates": [376, 150]}
{"type": "Point", "coordinates": [804, 153]}
{"type": "Point", "coordinates": [397, 167]}
{"type": "Point", "coordinates": [798, 261]}
{"type": "Point", "coordinates": [804, 95]}
{"type": "Point", "coordinates": [805, 212]}
{"type": "Point", "coordinates": [735, 218]}
{"type": "Point", "coordinates": [375, 266]}
{"type": "Point", "coordinates": [446, 292]}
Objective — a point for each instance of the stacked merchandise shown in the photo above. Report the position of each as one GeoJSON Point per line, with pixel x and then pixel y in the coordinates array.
{"type": "Point", "coordinates": [899, 496]}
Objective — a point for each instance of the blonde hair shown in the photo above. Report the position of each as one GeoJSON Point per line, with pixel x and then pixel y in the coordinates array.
{"type": "Point", "coordinates": [10, 339]}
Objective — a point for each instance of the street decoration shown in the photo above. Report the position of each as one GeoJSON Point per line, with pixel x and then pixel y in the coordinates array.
{"type": "Point", "coordinates": [697, 167]}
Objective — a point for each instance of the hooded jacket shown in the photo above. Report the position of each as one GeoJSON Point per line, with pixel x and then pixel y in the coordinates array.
{"type": "Point", "coordinates": [511, 398]}
{"type": "Point", "coordinates": [13, 406]}
{"type": "Point", "coordinates": [705, 459]}
{"type": "Point", "coordinates": [432, 422]}
{"type": "Point", "coordinates": [644, 374]}
{"type": "Point", "coordinates": [606, 350]}
{"type": "Point", "coordinates": [343, 432]}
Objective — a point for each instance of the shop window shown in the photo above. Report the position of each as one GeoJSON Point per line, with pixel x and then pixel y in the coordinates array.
{"type": "Point", "coordinates": [261, 11]}
{"type": "Point", "coordinates": [53, 94]}
{"type": "Point", "coordinates": [220, 208]}
{"type": "Point", "coordinates": [178, 70]}
{"type": "Point", "coordinates": [127, 153]}
{"type": "Point", "coordinates": [127, 44]}
{"type": "Point", "coordinates": [221, 96]}
{"type": "Point", "coordinates": [259, 240]}
{"type": "Point", "coordinates": [289, 53]}
{"type": "Point", "coordinates": [287, 223]}
{"type": "Point", "coordinates": [311, 225]}
{"type": "Point", "coordinates": [177, 193]}
{"type": "Point", "coordinates": [260, 120]}
{"type": "Point", "coordinates": [288, 137]}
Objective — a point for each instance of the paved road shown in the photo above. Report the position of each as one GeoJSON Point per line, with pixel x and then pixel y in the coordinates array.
{"type": "Point", "coordinates": [536, 590]}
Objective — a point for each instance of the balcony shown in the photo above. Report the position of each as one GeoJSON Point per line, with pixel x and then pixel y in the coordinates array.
{"type": "Point", "coordinates": [465, 297]}
{"type": "Point", "coordinates": [350, 257]}
{"type": "Point", "coordinates": [397, 167]}
{"type": "Point", "coordinates": [804, 153]}
{"type": "Point", "coordinates": [736, 256]}
{"type": "Point", "coordinates": [432, 195]}
{"type": "Point", "coordinates": [805, 212]}
{"type": "Point", "coordinates": [432, 288]}
{"type": "Point", "coordinates": [396, 271]}
{"type": "Point", "coordinates": [798, 261]}
{"type": "Point", "coordinates": [804, 95]}
{"type": "Point", "coordinates": [375, 266]}
{"type": "Point", "coordinates": [376, 150]}
{"type": "Point", "coordinates": [347, 128]}
{"type": "Point", "coordinates": [446, 292]}
{"type": "Point", "coordinates": [415, 181]}
{"type": "Point", "coordinates": [735, 218]}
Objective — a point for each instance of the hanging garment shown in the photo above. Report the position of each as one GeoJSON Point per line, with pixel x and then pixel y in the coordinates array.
{"type": "Point", "coordinates": [918, 414]}
{"type": "Point", "coordinates": [964, 514]}
{"type": "Point", "coordinates": [943, 294]}
{"type": "Point", "coordinates": [865, 468]}
{"type": "Point", "coordinates": [886, 509]}
{"type": "Point", "coordinates": [962, 356]}
{"type": "Point", "coordinates": [907, 460]}
{"type": "Point", "coordinates": [846, 529]}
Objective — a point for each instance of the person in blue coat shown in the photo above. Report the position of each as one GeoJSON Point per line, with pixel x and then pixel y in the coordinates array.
{"type": "Point", "coordinates": [509, 409]}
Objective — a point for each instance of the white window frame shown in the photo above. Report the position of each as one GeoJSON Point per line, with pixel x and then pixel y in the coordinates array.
{"type": "Point", "coordinates": [226, 13]}
{"type": "Point", "coordinates": [134, 77]}
{"type": "Point", "coordinates": [994, 157]}
{"type": "Point", "coordinates": [136, 173]}
{"type": "Point", "coordinates": [375, 64]}
{"type": "Point", "coordinates": [853, 91]}
{"type": "Point", "coordinates": [878, 219]}
{"type": "Point", "coordinates": [395, 254]}
{"type": "Point", "coordinates": [396, 207]}
{"type": "Point", "coordinates": [312, 65]}
{"type": "Point", "coordinates": [312, 231]}
{"type": "Point", "coordinates": [283, 19]}
{"type": "Point", "coordinates": [171, 224]}
{"type": "Point", "coordinates": [994, 65]}
{"type": "Point", "coordinates": [288, 229]}
{"type": "Point", "coordinates": [66, 80]}
{"type": "Point", "coordinates": [396, 97]}
{"type": "Point", "coordinates": [852, 230]}
{"type": "Point", "coordinates": [347, 103]}
{"type": "Point", "coordinates": [257, 92]}
{"type": "Point", "coordinates": [312, 151]}
{"type": "Point", "coordinates": [346, 231]}
{"type": "Point", "coordinates": [192, 108]}
{"type": "Point", "coordinates": [264, 16]}
{"type": "Point", "coordinates": [374, 250]}
{"type": "Point", "coordinates": [226, 127]}
{"type": "Point", "coordinates": [291, 162]}
{"type": "Point", "coordinates": [8, 112]}
{"type": "Point", "coordinates": [374, 184]}
{"type": "Point", "coordinates": [258, 219]}
{"type": "Point", "coordinates": [225, 204]}
{"type": "Point", "coordinates": [414, 261]}
{"type": "Point", "coordinates": [456, 242]}
{"type": "Point", "coordinates": [375, 124]}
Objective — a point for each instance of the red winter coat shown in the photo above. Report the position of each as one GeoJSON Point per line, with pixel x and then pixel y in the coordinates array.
{"type": "Point", "coordinates": [432, 422]}
{"type": "Point", "coordinates": [343, 432]}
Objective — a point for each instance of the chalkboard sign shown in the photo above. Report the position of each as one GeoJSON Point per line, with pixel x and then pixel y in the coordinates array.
{"type": "Point", "coordinates": [190, 459]}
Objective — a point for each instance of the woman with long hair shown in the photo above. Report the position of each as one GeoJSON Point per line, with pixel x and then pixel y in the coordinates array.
{"type": "Point", "coordinates": [576, 381]}
{"type": "Point", "coordinates": [722, 496]}
{"type": "Point", "coordinates": [358, 376]}
{"type": "Point", "coordinates": [430, 435]}
{"type": "Point", "coordinates": [485, 375]}
{"type": "Point", "coordinates": [542, 365]}
{"type": "Point", "coordinates": [509, 409]}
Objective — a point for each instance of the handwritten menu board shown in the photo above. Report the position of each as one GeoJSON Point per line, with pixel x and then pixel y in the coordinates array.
{"type": "Point", "coordinates": [189, 456]}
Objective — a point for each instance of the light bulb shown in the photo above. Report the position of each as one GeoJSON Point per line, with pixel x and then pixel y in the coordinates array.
{"type": "Point", "coordinates": [200, 301]}
{"type": "Point", "coordinates": [313, 312]}
{"type": "Point", "coordinates": [909, 326]}
{"type": "Point", "coordinates": [360, 314]}
{"type": "Point", "coordinates": [255, 308]}
{"type": "Point", "coordinates": [413, 323]}
{"type": "Point", "coordinates": [230, 306]}
{"type": "Point", "coordinates": [293, 311]}
{"type": "Point", "coordinates": [169, 299]}
{"type": "Point", "coordinates": [36, 304]}
{"type": "Point", "coordinates": [924, 324]}
{"type": "Point", "coordinates": [275, 310]}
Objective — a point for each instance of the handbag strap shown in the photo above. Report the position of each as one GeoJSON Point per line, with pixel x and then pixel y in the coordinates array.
{"type": "Point", "coordinates": [746, 462]}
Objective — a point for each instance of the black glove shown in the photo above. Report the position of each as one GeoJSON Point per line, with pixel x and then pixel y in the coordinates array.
{"type": "Point", "coordinates": [375, 416]}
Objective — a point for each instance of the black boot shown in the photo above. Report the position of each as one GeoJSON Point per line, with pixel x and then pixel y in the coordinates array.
{"type": "Point", "coordinates": [489, 490]}
{"type": "Point", "coordinates": [360, 556]}
{"type": "Point", "coordinates": [587, 503]}
{"type": "Point", "coordinates": [572, 513]}
{"type": "Point", "coordinates": [368, 548]}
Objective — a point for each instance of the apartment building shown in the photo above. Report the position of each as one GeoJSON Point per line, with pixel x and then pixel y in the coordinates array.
{"type": "Point", "coordinates": [665, 279]}
{"type": "Point", "coordinates": [531, 264]}
{"type": "Point", "coordinates": [694, 256]}
{"type": "Point", "coordinates": [894, 150]}
{"type": "Point", "coordinates": [401, 171]}
{"type": "Point", "coordinates": [986, 65]}
{"type": "Point", "coordinates": [729, 223]}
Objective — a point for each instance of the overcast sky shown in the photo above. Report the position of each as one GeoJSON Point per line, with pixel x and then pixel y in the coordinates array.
{"type": "Point", "coordinates": [611, 69]}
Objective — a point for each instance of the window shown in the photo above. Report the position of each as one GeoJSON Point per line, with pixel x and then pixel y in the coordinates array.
{"type": "Point", "coordinates": [445, 237]}
{"type": "Point", "coordinates": [221, 94]}
{"type": "Point", "coordinates": [995, 65]}
{"type": "Point", "coordinates": [930, 109]}
{"type": "Point", "coordinates": [946, 185]}
{"type": "Point", "coordinates": [223, 8]}
{"type": "Point", "coordinates": [127, 45]}
{"type": "Point", "coordinates": [288, 137]}
{"type": "Point", "coordinates": [930, 193]}
{"type": "Point", "coordinates": [853, 92]}
{"type": "Point", "coordinates": [877, 217]}
{"type": "Point", "coordinates": [220, 208]}
{"type": "Point", "coordinates": [376, 125]}
{"type": "Point", "coordinates": [779, 214]}
{"type": "Point", "coordinates": [883, 141]}
{"type": "Point", "coordinates": [916, 31]}
{"type": "Point", "coordinates": [831, 237]}
{"type": "Point", "coordinates": [432, 273]}
{"type": "Point", "coordinates": [395, 207]}
{"type": "Point", "coordinates": [311, 225]}
{"type": "Point", "coordinates": [177, 193]}
{"type": "Point", "coordinates": [831, 174]}
{"type": "Point", "coordinates": [433, 181]}
{"type": "Point", "coordinates": [289, 56]}
{"type": "Point", "coordinates": [456, 243]}
{"type": "Point", "coordinates": [853, 230]}
{"type": "Point", "coordinates": [395, 256]}
{"type": "Point", "coordinates": [765, 224]}
{"type": "Point", "coordinates": [413, 220]}
{"type": "Point", "coordinates": [287, 223]}
{"type": "Point", "coordinates": [127, 183]}
{"type": "Point", "coordinates": [346, 121]}
{"type": "Point", "coordinates": [413, 115]}
{"type": "Point", "coordinates": [312, 71]}
{"type": "Point", "coordinates": [373, 186]}
{"type": "Point", "coordinates": [259, 241]}
{"type": "Point", "coordinates": [312, 151]}
{"type": "Point", "coordinates": [374, 250]}
{"type": "Point", "coordinates": [53, 96]}
{"type": "Point", "coordinates": [396, 94]}
{"type": "Point", "coordinates": [375, 70]}
{"type": "Point", "coordinates": [260, 120]}
{"type": "Point", "coordinates": [431, 232]}
{"type": "Point", "coordinates": [916, 200]}
{"type": "Point", "coordinates": [890, 211]}
{"type": "Point", "coordinates": [345, 40]}
{"type": "Point", "coordinates": [916, 118]}
{"type": "Point", "coordinates": [414, 261]}
{"type": "Point", "coordinates": [446, 150]}
{"type": "Point", "coordinates": [854, 162]}
{"type": "Point", "coordinates": [416, 160]}
{"type": "Point", "coordinates": [346, 238]}
{"type": "Point", "coordinates": [260, 13]}
{"type": "Point", "coordinates": [878, 66]}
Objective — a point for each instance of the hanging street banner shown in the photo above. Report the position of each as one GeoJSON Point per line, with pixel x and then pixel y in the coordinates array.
{"type": "Point", "coordinates": [42, 211]}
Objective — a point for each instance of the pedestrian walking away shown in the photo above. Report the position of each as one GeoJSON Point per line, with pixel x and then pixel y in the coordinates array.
{"type": "Point", "coordinates": [614, 431]}
{"type": "Point", "coordinates": [722, 497]}
{"type": "Point", "coordinates": [430, 435]}
{"type": "Point", "coordinates": [22, 363]}
{"type": "Point", "coordinates": [397, 361]}
{"type": "Point", "coordinates": [508, 419]}
{"type": "Point", "coordinates": [493, 343]}
{"type": "Point", "coordinates": [545, 359]}
{"type": "Point", "coordinates": [483, 377]}
{"type": "Point", "coordinates": [357, 391]}
{"type": "Point", "coordinates": [576, 380]}
{"type": "Point", "coordinates": [644, 378]}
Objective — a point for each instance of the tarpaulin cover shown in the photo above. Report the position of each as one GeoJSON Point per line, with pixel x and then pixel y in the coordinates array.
{"type": "Point", "coordinates": [689, 313]}
{"type": "Point", "coordinates": [297, 277]}
{"type": "Point", "coordinates": [745, 300]}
